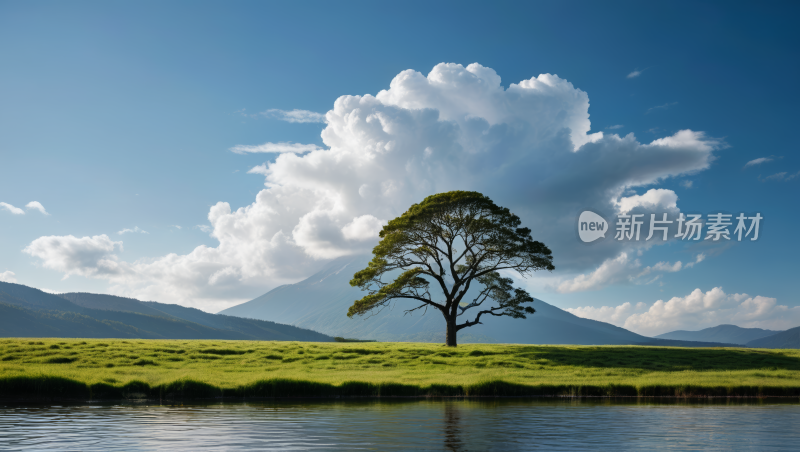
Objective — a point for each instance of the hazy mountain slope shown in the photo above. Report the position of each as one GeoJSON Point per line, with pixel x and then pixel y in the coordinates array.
{"type": "Point", "coordinates": [722, 333]}
{"type": "Point", "coordinates": [20, 322]}
{"type": "Point", "coordinates": [154, 327]}
{"type": "Point", "coordinates": [148, 326]}
{"type": "Point", "coordinates": [112, 303]}
{"type": "Point", "coordinates": [785, 339]}
{"type": "Point", "coordinates": [257, 329]}
{"type": "Point", "coordinates": [250, 328]}
{"type": "Point", "coordinates": [321, 302]}
{"type": "Point", "coordinates": [28, 297]}
{"type": "Point", "coordinates": [40, 314]}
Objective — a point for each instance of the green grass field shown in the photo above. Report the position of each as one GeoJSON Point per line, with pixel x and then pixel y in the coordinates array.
{"type": "Point", "coordinates": [95, 368]}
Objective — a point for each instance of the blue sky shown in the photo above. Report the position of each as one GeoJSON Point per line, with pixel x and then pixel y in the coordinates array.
{"type": "Point", "coordinates": [121, 115]}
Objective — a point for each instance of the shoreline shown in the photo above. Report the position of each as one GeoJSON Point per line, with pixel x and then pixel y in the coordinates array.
{"type": "Point", "coordinates": [43, 387]}
{"type": "Point", "coordinates": [239, 400]}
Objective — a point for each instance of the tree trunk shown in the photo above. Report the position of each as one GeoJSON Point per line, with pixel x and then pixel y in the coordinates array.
{"type": "Point", "coordinates": [450, 339]}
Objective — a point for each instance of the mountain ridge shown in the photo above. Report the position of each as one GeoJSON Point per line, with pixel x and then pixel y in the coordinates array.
{"type": "Point", "coordinates": [30, 312]}
{"type": "Point", "coordinates": [320, 302]}
{"type": "Point", "coordinates": [721, 333]}
{"type": "Point", "coordinates": [784, 339]}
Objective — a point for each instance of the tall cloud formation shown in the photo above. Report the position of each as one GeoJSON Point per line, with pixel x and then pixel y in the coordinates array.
{"type": "Point", "coordinates": [696, 311]}
{"type": "Point", "coordinates": [529, 147]}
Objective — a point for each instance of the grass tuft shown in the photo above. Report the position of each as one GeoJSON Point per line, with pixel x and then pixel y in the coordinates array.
{"type": "Point", "coordinates": [145, 362]}
{"type": "Point", "coordinates": [223, 351]}
{"type": "Point", "coordinates": [61, 360]}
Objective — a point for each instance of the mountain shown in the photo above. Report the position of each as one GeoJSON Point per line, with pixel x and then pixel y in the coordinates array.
{"type": "Point", "coordinates": [28, 297]}
{"type": "Point", "coordinates": [321, 302]}
{"type": "Point", "coordinates": [20, 322]}
{"type": "Point", "coordinates": [256, 329]}
{"type": "Point", "coordinates": [723, 333]}
{"type": "Point", "coordinates": [784, 339]}
{"type": "Point", "coordinates": [29, 312]}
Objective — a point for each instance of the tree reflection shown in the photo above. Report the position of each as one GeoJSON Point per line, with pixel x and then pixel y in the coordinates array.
{"type": "Point", "coordinates": [452, 427]}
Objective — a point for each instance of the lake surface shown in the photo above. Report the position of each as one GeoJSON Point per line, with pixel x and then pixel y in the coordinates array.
{"type": "Point", "coordinates": [449, 425]}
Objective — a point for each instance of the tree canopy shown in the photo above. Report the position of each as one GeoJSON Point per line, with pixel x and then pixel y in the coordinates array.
{"type": "Point", "coordinates": [449, 243]}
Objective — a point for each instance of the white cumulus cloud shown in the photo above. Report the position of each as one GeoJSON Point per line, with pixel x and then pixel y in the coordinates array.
{"type": "Point", "coordinates": [33, 205]}
{"type": "Point", "coordinates": [665, 267]}
{"type": "Point", "coordinates": [621, 269]}
{"type": "Point", "coordinates": [529, 147]}
{"type": "Point", "coordinates": [8, 276]}
{"type": "Point", "coordinates": [85, 256]}
{"type": "Point", "coordinates": [609, 272]}
{"type": "Point", "coordinates": [36, 205]}
{"type": "Point", "coordinates": [613, 315]}
{"type": "Point", "coordinates": [696, 311]}
{"type": "Point", "coordinates": [12, 209]}
{"type": "Point", "coordinates": [135, 230]}
{"type": "Point", "coordinates": [365, 227]}
{"type": "Point", "coordinates": [656, 199]}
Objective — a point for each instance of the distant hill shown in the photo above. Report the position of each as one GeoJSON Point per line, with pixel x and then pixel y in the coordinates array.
{"type": "Point", "coordinates": [731, 334]}
{"type": "Point", "coordinates": [29, 312]}
{"type": "Point", "coordinates": [20, 322]}
{"type": "Point", "coordinates": [321, 302]}
{"type": "Point", "coordinates": [28, 297]}
{"type": "Point", "coordinates": [256, 329]}
{"type": "Point", "coordinates": [785, 339]}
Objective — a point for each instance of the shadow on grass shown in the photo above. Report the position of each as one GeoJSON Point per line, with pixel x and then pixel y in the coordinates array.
{"type": "Point", "coordinates": [666, 359]}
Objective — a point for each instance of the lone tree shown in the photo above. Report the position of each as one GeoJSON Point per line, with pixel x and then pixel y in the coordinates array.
{"type": "Point", "coordinates": [452, 240]}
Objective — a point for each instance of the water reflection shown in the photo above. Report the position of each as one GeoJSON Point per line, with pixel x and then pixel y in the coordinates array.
{"type": "Point", "coordinates": [452, 429]}
{"type": "Point", "coordinates": [449, 425]}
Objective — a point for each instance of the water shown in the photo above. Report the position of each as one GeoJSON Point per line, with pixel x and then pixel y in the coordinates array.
{"type": "Point", "coordinates": [449, 425]}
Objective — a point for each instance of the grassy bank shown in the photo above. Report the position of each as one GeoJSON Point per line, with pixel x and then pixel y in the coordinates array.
{"type": "Point", "coordinates": [118, 369]}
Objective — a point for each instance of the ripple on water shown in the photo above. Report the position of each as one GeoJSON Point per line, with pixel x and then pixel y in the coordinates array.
{"type": "Point", "coordinates": [506, 424]}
